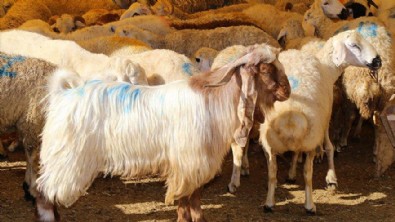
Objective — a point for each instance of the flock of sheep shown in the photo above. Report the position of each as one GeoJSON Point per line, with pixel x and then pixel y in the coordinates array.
{"type": "Point", "coordinates": [168, 87]}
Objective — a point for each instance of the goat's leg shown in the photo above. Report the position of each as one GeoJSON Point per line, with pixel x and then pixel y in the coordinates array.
{"type": "Point", "coordinates": [272, 181]}
{"type": "Point", "coordinates": [308, 177]}
{"type": "Point", "coordinates": [237, 153]}
{"type": "Point", "coordinates": [183, 210]}
{"type": "Point", "coordinates": [45, 211]}
{"type": "Point", "coordinates": [331, 179]}
{"type": "Point", "coordinates": [29, 175]}
{"type": "Point", "coordinates": [196, 209]}
{"type": "Point", "coordinates": [245, 165]}
{"type": "Point", "coordinates": [292, 170]}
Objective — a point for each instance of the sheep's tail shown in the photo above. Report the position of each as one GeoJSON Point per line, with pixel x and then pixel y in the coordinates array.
{"type": "Point", "coordinates": [64, 79]}
{"type": "Point", "coordinates": [293, 125]}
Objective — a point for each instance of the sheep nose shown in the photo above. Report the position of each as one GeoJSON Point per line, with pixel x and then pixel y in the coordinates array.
{"type": "Point", "coordinates": [343, 14]}
{"type": "Point", "coordinates": [375, 64]}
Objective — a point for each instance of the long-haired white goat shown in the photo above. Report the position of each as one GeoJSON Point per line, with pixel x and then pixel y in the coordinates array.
{"type": "Point", "coordinates": [180, 131]}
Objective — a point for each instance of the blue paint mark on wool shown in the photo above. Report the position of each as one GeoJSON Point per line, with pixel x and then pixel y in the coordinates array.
{"type": "Point", "coordinates": [367, 29]}
{"type": "Point", "coordinates": [186, 67]}
{"type": "Point", "coordinates": [124, 96]}
{"type": "Point", "coordinates": [293, 82]}
{"type": "Point", "coordinates": [9, 62]}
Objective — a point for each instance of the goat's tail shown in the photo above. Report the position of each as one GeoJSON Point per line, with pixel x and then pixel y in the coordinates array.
{"type": "Point", "coordinates": [293, 125]}
{"type": "Point", "coordinates": [64, 79]}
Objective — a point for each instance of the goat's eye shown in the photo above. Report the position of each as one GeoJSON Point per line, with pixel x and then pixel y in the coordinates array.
{"type": "Point", "coordinates": [197, 59]}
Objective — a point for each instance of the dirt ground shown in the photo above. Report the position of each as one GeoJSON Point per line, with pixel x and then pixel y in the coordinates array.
{"type": "Point", "coordinates": [360, 196]}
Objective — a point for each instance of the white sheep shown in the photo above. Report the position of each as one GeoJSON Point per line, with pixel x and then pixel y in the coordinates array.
{"type": "Point", "coordinates": [375, 33]}
{"type": "Point", "coordinates": [220, 101]}
{"type": "Point", "coordinates": [61, 53]}
{"type": "Point", "coordinates": [301, 124]}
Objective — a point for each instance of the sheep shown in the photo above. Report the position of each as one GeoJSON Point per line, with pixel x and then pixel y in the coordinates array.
{"type": "Point", "coordinates": [136, 9]}
{"type": "Point", "coordinates": [101, 16]}
{"type": "Point", "coordinates": [218, 39]}
{"type": "Point", "coordinates": [375, 33]}
{"type": "Point", "coordinates": [211, 100]}
{"type": "Point", "coordinates": [204, 58]}
{"type": "Point", "coordinates": [66, 23]}
{"type": "Point", "coordinates": [25, 10]}
{"type": "Point", "coordinates": [163, 66]}
{"type": "Point", "coordinates": [302, 123]}
{"type": "Point", "coordinates": [110, 45]}
{"type": "Point", "coordinates": [38, 46]}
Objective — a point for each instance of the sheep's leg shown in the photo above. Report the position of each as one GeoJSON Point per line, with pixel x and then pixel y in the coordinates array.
{"type": "Point", "coordinates": [45, 211]}
{"type": "Point", "coordinates": [196, 210]}
{"type": "Point", "coordinates": [330, 178]}
{"type": "Point", "coordinates": [272, 181]}
{"type": "Point", "coordinates": [308, 177]}
{"type": "Point", "coordinates": [237, 152]}
{"type": "Point", "coordinates": [292, 170]}
{"type": "Point", "coordinates": [346, 130]}
{"type": "Point", "coordinates": [358, 128]}
{"type": "Point", "coordinates": [245, 165]}
{"type": "Point", "coordinates": [183, 211]}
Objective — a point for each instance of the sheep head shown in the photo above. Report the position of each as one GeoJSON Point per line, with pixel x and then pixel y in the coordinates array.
{"type": "Point", "coordinates": [332, 8]}
{"type": "Point", "coordinates": [350, 48]}
{"type": "Point", "coordinates": [262, 82]}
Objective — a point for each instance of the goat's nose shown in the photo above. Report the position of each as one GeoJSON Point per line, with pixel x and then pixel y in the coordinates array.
{"type": "Point", "coordinates": [343, 14]}
{"type": "Point", "coordinates": [376, 63]}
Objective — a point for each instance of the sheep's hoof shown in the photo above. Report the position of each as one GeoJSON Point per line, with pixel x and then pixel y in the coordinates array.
{"type": "Point", "coordinates": [3, 156]}
{"type": "Point", "coordinates": [331, 186]}
{"type": "Point", "coordinates": [267, 209]}
{"type": "Point", "coordinates": [28, 196]}
{"type": "Point", "coordinates": [245, 172]}
{"type": "Point", "coordinates": [290, 181]}
{"type": "Point", "coordinates": [231, 188]}
{"type": "Point", "coordinates": [310, 212]}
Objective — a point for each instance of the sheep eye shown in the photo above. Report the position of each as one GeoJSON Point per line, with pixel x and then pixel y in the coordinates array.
{"type": "Point", "coordinates": [74, 28]}
{"type": "Point", "coordinates": [56, 30]}
{"type": "Point", "coordinates": [356, 46]}
{"type": "Point", "coordinates": [197, 59]}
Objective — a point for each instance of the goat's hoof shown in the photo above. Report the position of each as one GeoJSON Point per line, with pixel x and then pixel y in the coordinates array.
{"type": "Point", "coordinates": [290, 181]}
{"type": "Point", "coordinates": [310, 212]}
{"type": "Point", "coordinates": [267, 209]}
{"type": "Point", "coordinates": [28, 196]}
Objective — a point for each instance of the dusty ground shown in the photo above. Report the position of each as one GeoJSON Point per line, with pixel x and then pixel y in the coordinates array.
{"type": "Point", "coordinates": [360, 197]}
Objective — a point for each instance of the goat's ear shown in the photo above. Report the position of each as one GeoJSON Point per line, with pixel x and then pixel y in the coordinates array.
{"type": "Point", "coordinates": [339, 52]}
{"type": "Point", "coordinates": [246, 106]}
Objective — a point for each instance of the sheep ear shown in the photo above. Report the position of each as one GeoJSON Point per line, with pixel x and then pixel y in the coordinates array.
{"type": "Point", "coordinates": [246, 106]}
{"type": "Point", "coordinates": [339, 52]}
{"type": "Point", "coordinates": [282, 38]}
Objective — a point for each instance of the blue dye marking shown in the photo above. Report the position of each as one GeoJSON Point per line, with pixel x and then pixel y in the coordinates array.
{"type": "Point", "coordinates": [186, 67]}
{"type": "Point", "coordinates": [10, 61]}
{"type": "Point", "coordinates": [135, 94]}
{"type": "Point", "coordinates": [293, 82]}
{"type": "Point", "coordinates": [367, 29]}
{"type": "Point", "coordinates": [92, 82]}
{"type": "Point", "coordinates": [124, 96]}
{"type": "Point", "coordinates": [342, 29]}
